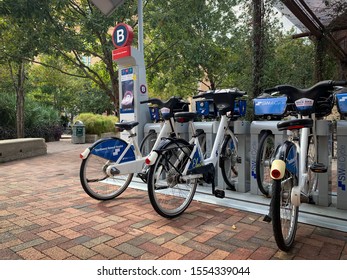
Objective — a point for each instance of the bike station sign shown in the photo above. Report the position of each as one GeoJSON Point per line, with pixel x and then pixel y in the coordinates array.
{"type": "Point", "coordinates": [122, 38]}
{"type": "Point", "coordinates": [132, 78]}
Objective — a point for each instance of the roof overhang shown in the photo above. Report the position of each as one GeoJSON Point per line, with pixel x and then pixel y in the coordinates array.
{"type": "Point", "coordinates": [323, 19]}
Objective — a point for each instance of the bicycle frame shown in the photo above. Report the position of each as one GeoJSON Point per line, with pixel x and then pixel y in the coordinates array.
{"type": "Point", "coordinates": [196, 155]}
{"type": "Point", "coordinates": [134, 166]}
{"type": "Point", "coordinates": [302, 170]}
{"type": "Point", "coordinates": [299, 159]}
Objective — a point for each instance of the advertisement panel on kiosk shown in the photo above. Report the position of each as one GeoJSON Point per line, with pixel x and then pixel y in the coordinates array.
{"type": "Point", "coordinates": [132, 80]}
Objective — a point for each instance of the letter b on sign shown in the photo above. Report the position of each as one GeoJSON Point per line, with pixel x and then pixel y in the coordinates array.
{"type": "Point", "coordinates": [122, 35]}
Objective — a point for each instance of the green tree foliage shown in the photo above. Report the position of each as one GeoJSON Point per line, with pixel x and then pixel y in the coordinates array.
{"type": "Point", "coordinates": [189, 42]}
{"type": "Point", "coordinates": [66, 93]}
{"type": "Point", "coordinates": [25, 29]}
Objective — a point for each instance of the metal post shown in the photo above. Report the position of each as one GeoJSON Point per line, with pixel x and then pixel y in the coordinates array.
{"type": "Point", "coordinates": [140, 19]}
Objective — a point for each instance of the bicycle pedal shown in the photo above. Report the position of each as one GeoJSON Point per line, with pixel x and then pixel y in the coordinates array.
{"type": "Point", "coordinates": [143, 176]}
{"type": "Point", "coordinates": [319, 167]}
{"type": "Point", "coordinates": [219, 193]}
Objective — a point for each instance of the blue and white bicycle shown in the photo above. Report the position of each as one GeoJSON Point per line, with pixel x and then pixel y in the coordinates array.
{"type": "Point", "coordinates": [294, 167]}
{"type": "Point", "coordinates": [109, 165]}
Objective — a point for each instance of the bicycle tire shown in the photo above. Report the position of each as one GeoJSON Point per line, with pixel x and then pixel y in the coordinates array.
{"type": "Point", "coordinates": [228, 162]}
{"type": "Point", "coordinates": [265, 152]}
{"type": "Point", "coordinates": [169, 197]}
{"type": "Point", "coordinates": [147, 143]}
{"type": "Point", "coordinates": [284, 213]}
{"type": "Point", "coordinates": [94, 180]}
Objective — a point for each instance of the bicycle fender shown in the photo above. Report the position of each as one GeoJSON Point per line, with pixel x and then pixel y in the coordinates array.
{"type": "Point", "coordinates": [153, 155]}
{"type": "Point", "coordinates": [288, 155]}
{"type": "Point", "coordinates": [111, 149]}
{"type": "Point", "coordinates": [86, 152]}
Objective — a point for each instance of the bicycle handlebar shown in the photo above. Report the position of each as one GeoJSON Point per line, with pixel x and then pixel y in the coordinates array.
{"type": "Point", "coordinates": [339, 83]}
{"type": "Point", "coordinates": [323, 85]}
{"type": "Point", "coordinates": [212, 93]}
{"type": "Point", "coordinates": [169, 103]}
{"type": "Point", "coordinates": [153, 101]}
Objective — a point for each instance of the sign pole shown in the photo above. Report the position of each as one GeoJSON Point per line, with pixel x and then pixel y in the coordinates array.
{"type": "Point", "coordinates": [140, 17]}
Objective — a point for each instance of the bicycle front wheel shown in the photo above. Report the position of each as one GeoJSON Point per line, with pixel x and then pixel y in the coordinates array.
{"type": "Point", "coordinates": [147, 143]}
{"type": "Point", "coordinates": [95, 182]}
{"type": "Point", "coordinates": [262, 168]}
{"type": "Point", "coordinates": [228, 162]}
{"type": "Point", "coordinates": [169, 194]}
{"type": "Point", "coordinates": [284, 213]}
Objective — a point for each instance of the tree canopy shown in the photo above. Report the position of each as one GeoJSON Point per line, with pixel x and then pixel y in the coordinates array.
{"type": "Point", "coordinates": [188, 44]}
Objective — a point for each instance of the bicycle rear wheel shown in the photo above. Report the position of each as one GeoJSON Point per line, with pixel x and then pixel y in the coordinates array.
{"type": "Point", "coordinates": [265, 152]}
{"type": "Point", "coordinates": [95, 182]}
{"type": "Point", "coordinates": [170, 196]}
{"type": "Point", "coordinates": [228, 162]}
{"type": "Point", "coordinates": [284, 213]}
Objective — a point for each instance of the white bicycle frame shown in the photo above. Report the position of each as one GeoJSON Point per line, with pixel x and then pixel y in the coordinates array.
{"type": "Point", "coordinates": [302, 147]}
{"type": "Point", "coordinates": [136, 165]}
{"type": "Point", "coordinates": [223, 129]}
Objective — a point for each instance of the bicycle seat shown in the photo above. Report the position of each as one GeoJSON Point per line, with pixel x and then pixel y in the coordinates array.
{"type": "Point", "coordinates": [295, 124]}
{"type": "Point", "coordinates": [183, 117]}
{"type": "Point", "coordinates": [126, 125]}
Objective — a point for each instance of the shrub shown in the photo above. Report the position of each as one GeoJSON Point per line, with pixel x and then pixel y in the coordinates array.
{"type": "Point", "coordinates": [97, 124]}
{"type": "Point", "coordinates": [40, 121]}
{"type": "Point", "coordinates": [7, 110]}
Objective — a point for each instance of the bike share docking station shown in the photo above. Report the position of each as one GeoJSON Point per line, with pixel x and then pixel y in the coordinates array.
{"type": "Point", "coordinates": [267, 111]}
{"type": "Point", "coordinates": [257, 129]}
{"type": "Point", "coordinates": [132, 80]}
{"type": "Point", "coordinates": [209, 124]}
{"type": "Point", "coordinates": [275, 108]}
{"type": "Point", "coordinates": [341, 131]}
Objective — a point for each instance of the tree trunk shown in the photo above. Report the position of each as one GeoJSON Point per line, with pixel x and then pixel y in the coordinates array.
{"type": "Point", "coordinates": [318, 60]}
{"type": "Point", "coordinates": [343, 70]}
{"type": "Point", "coordinates": [20, 100]}
{"type": "Point", "coordinates": [257, 35]}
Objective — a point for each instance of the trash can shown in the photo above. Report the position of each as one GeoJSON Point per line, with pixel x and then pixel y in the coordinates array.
{"type": "Point", "coordinates": [78, 133]}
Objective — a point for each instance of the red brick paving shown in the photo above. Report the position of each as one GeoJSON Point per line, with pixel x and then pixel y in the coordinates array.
{"type": "Point", "coordinates": [45, 214]}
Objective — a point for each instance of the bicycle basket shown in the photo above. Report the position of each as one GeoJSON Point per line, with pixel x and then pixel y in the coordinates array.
{"type": "Point", "coordinates": [341, 100]}
{"type": "Point", "coordinates": [240, 108]}
{"type": "Point", "coordinates": [270, 107]}
{"type": "Point", "coordinates": [154, 113]}
{"type": "Point", "coordinates": [206, 108]}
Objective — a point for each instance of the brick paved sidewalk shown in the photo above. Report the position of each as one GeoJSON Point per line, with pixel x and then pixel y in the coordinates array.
{"type": "Point", "coordinates": [45, 214]}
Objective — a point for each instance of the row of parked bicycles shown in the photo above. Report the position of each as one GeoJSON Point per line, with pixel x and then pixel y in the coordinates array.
{"type": "Point", "coordinates": [173, 167]}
